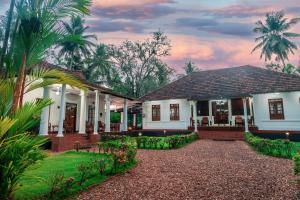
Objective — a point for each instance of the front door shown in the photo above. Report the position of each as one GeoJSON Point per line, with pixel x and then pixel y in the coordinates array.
{"type": "Point", "coordinates": [220, 112]}
{"type": "Point", "coordinates": [70, 117]}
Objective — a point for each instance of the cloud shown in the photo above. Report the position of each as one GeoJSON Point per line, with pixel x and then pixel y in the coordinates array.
{"type": "Point", "coordinates": [131, 3]}
{"type": "Point", "coordinates": [214, 26]}
{"type": "Point", "coordinates": [134, 9]}
{"type": "Point", "coordinates": [114, 26]}
{"type": "Point", "coordinates": [136, 12]}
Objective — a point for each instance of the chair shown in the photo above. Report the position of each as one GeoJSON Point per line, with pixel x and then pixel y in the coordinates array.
{"type": "Point", "coordinates": [49, 127]}
{"type": "Point", "coordinates": [239, 121]}
{"type": "Point", "coordinates": [205, 121]}
{"type": "Point", "coordinates": [68, 127]}
{"type": "Point", "coordinates": [89, 128]}
{"type": "Point", "coordinates": [101, 126]}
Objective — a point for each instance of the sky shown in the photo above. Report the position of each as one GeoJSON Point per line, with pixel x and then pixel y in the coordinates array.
{"type": "Point", "coordinates": [210, 33]}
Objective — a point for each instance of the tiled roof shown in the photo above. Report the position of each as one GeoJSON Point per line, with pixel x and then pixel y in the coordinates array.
{"type": "Point", "coordinates": [226, 83]}
{"type": "Point", "coordinates": [81, 77]}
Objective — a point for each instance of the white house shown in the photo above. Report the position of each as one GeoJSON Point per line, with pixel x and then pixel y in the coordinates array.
{"type": "Point", "coordinates": [78, 112]}
{"type": "Point", "coordinates": [225, 98]}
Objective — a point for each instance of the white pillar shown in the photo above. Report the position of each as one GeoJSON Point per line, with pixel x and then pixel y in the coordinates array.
{"type": "Point", "coordinates": [245, 114]}
{"type": "Point", "coordinates": [82, 117]}
{"type": "Point", "coordinates": [195, 115]}
{"type": "Point", "coordinates": [210, 112]}
{"type": "Point", "coordinates": [125, 115]}
{"type": "Point", "coordinates": [134, 120]}
{"type": "Point", "coordinates": [250, 106]}
{"type": "Point", "coordinates": [96, 118]}
{"type": "Point", "coordinates": [62, 111]}
{"type": "Point", "coordinates": [229, 112]}
{"type": "Point", "coordinates": [107, 113]}
{"type": "Point", "coordinates": [44, 115]}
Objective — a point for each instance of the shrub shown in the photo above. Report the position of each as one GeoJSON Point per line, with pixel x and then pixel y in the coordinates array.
{"type": "Point", "coordinates": [277, 148]}
{"type": "Point", "coordinates": [58, 185]}
{"type": "Point", "coordinates": [100, 165]}
{"type": "Point", "coordinates": [296, 159]}
{"type": "Point", "coordinates": [170, 142]}
{"type": "Point", "coordinates": [85, 170]}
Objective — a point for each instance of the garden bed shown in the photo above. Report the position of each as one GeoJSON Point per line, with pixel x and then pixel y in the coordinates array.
{"type": "Point", "coordinates": [64, 174]}
{"type": "Point", "coordinates": [278, 148]}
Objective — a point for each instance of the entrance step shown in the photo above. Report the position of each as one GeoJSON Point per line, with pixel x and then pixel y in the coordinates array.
{"type": "Point", "coordinates": [221, 135]}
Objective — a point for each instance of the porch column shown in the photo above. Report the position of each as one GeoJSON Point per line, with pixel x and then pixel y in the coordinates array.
{"type": "Point", "coordinates": [245, 114]}
{"type": "Point", "coordinates": [229, 112]}
{"type": "Point", "coordinates": [121, 125]}
{"type": "Point", "coordinates": [134, 120]}
{"type": "Point", "coordinates": [44, 114]}
{"type": "Point", "coordinates": [210, 112]}
{"type": "Point", "coordinates": [195, 115]}
{"type": "Point", "coordinates": [82, 117]}
{"type": "Point", "coordinates": [250, 106]}
{"type": "Point", "coordinates": [96, 118]}
{"type": "Point", "coordinates": [62, 111]}
{"type": "Point", "coordinates": [125, 115]}
{"type": "Point", "coordinates": [107, 113]}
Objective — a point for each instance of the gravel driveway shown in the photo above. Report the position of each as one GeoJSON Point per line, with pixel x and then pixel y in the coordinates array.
{"type": "Point", "coordinates": [202, 170]}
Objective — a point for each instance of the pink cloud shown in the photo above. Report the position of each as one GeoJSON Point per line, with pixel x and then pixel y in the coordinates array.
{"type": "Point", "coordinates": [126, 3]}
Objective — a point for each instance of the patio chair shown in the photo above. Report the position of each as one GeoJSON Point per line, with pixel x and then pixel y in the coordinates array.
{"type": "Point", "coordinates": [101, 126]}
{"type": "Point", "coordinates": [89, 128]}
{"type": "Point", "coordinates": [205, 121]}
{"type": "Point", "coordinates": [68, 127]}
{"type": "Point", "coordinates": [239, 121]}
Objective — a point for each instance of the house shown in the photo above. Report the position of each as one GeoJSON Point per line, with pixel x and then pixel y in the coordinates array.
{"type": "Point", "coordinates": [75, 112]}
{"type": "Point", "coordinates": [244, 97]}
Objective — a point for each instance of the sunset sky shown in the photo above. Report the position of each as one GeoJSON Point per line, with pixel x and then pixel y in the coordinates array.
{"type": "Point", "coordinates": [212, 34]}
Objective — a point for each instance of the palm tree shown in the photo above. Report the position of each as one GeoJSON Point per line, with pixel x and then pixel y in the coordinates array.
{"type": "Point", "coordinates": [76, 43]}
{"type": "Point", "coordinates": [99, 66]}
{"type": "Point", "coordinates": [37, 32]}
{"type": "Point", "coordinates": [190, 68]}
{"type": "Point", "coordinates": [275, 38]}
{"type": "Point", "coordinates": [7, 31]}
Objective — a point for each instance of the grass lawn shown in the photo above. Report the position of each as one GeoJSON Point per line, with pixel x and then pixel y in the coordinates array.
{"type": "Point", "coordinates": [34, 181]}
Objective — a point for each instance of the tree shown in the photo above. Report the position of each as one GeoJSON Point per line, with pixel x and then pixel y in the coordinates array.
{"type": "Point", "coordinates": [78, 43]}
{"type": "Point", "coordinates": [7, 31]}
{"type": "Point", "coordinates": [190, 68]}
{"type": "Point", "coordinates": [37, 32]}
{"type": "Point", "coordinates": [139, 64]}
{"type": "Point", "coordinates": [99, 66]}
{"type": "Point", "coordinates": [274, 37]}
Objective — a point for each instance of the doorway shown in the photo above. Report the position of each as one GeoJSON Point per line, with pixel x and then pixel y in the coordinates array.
{"type": "Point", "coordinates": [70, 117]}
{"type": "Point", "coordinates": [220, 112]}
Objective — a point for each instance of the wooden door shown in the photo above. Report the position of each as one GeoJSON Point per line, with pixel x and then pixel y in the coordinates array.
{"type": "Point", "coordinates": [70, 117]}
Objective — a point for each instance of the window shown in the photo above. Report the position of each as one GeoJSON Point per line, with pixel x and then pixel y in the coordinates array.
{"type": "Point", "coordinates": [174, 111]}
{"type": "Point", "coordinates": [276, 109]}
{"type": "Point", "coordinates": [91, 114]}
{"type": "Point", "coordinates": [155, 112]}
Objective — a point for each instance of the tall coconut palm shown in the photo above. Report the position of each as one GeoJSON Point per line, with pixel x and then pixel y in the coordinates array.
{"type": "Point", "coordinates": [37, 32]}
{"type": "Point", "coordinates": [79, 44]}
{"type": "Point", "coordinates": [275, 37]}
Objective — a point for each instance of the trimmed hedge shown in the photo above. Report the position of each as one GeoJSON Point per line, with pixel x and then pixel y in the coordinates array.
{"type": "Point", "coordinates": [277, 148]}
{"type": "Point", "coordinates": [169, 142]}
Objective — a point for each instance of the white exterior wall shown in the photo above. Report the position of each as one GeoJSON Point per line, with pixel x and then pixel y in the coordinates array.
{"type": "Point", "coordinates": [165, 122]}
{"type": "Point", "coordinates": [70, 98]}
{"type": "Point", "coordinates": [291, 107]}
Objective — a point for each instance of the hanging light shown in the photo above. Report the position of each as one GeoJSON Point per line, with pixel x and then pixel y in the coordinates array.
{"type": "Point", "coordinates": [57, 90]}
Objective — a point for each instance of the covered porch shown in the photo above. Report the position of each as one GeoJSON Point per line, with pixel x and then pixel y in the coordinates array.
{"type": "Point", "coordinates": [80, 115]}
{"type": "Point", "coordinates": [226, 115]}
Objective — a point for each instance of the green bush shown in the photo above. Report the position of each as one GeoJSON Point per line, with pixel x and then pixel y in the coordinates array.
{"type": "Point", "coordinates": [296, 159]}
{"type": "Point", "coordinates": [169, 142]}
{"type": "Point", "coordinates": [111, 136]}
{"type": "Point", "coordinates": [277, 148]}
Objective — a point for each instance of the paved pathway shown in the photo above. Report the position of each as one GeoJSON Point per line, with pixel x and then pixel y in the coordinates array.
{"type": "Point", "coordinates": [202, 170]}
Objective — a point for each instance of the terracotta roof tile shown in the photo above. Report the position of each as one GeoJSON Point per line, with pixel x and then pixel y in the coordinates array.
{"type": "Point", "coordinates": [226, 83]}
